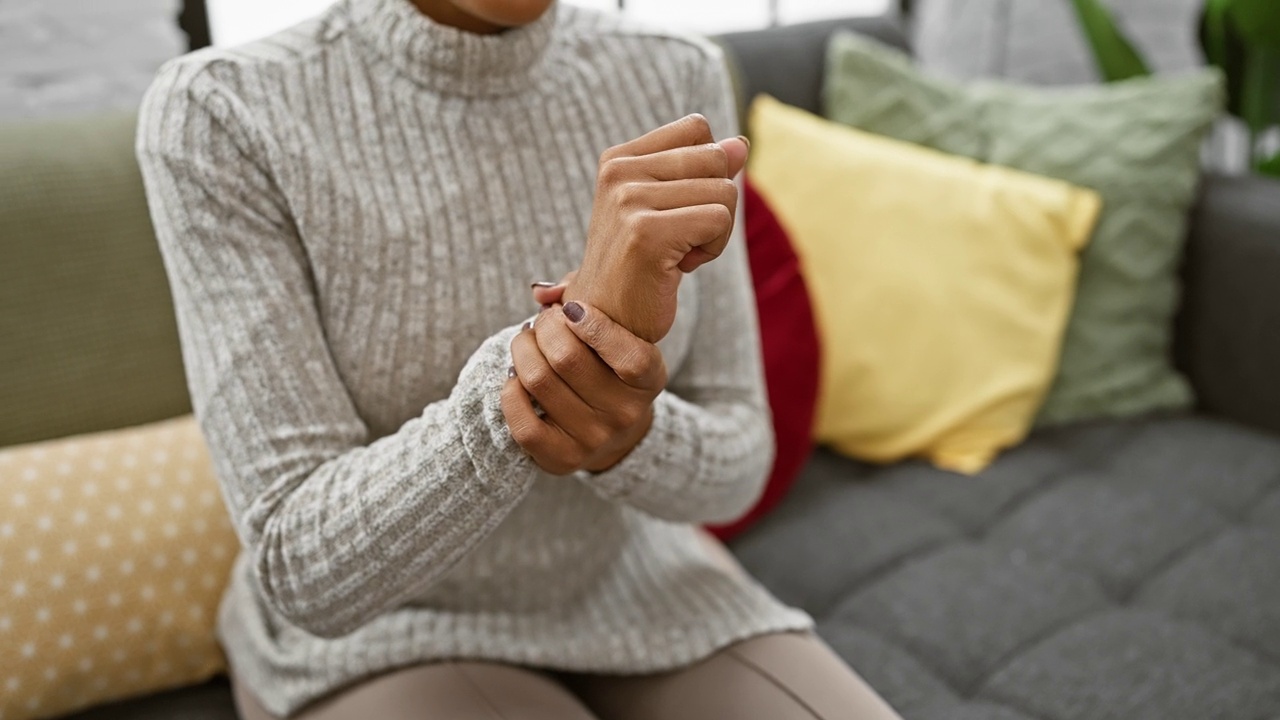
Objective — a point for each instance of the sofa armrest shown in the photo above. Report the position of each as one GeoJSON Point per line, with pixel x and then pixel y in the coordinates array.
{"type": "Point", "coordinates": [1228, 336]}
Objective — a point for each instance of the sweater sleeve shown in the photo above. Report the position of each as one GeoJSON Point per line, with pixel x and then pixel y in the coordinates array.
{"type": "Point", "coordinates": [710, 448]}
{"type": "Point", "coordinates": [339, 528]}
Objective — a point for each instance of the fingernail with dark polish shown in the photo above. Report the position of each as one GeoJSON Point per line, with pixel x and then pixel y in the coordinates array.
{"type": "Point", "coordinates": [546, 306]}
{"type": "Point", "coordinates": [574, 312]}
{"type": "Point", "coordinates": [543, 284]}
{"type": "Point", "coordinates": [511, 371]}
{"type": "Point", "coordinates": [526, 326]}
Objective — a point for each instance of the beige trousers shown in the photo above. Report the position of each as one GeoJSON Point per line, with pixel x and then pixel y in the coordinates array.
{"type": "Point", "coordinates": [786, 676]}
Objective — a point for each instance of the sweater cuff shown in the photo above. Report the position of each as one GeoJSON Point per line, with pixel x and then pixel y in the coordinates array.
{"type": "Point", "coordinates": [670, 444]}
{"type": "Point", "coordinates": [500, 464]}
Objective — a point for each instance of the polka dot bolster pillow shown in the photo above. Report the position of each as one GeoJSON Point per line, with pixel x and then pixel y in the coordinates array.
{"type": "Point", "coordinates": [114, 552]}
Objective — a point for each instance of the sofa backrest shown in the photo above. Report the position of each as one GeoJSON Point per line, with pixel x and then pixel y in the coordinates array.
{"type": "Point", "coordinates": [788, 62]}
{"type": "Point", "coordinates": [87, 335]}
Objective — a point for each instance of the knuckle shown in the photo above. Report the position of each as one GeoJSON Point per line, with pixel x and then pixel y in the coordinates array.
{"type": "Point", "coordinates": [700, 124]}
{"type": "Point", "coordinates": [596, 436]}
{"type": "Point", "coordinates": [628, 414]}
{"type": "Point", "coordinates": [718, 159]}
{"type": "Point", "coordinates": [728, 190]}
{"type": "Point", "coordinates": [722, 216]}
{"type": "Point", "coordinates": [613, 152]}
{"type": "Point", "coordinates": [641, 224]}
{"type": "Point", "coordinates": [537, 380]}
{"type": "Point", "coordinates": [630, 194]}
{"type": "Point", "coordinates": [564, 358]}
{"type": "Point", "coordinates": [660, 376]}
{"type": "Point", "coordinates": [631, 375]}
{"type": "Point", "coordinates": [526, 433]}
{"type": "Point", "coordinates": [652, 368]}
{"type": "Point", "coordinates": [612, 171]}
{"type": "Point", "coordinates": [632, 368]}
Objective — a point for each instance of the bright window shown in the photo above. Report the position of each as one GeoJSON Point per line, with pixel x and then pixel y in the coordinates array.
{"type": "Point", "coordinates": [232, 22]}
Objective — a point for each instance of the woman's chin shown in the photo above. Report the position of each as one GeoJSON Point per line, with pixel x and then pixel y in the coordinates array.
{"type": "Point", "coordinates": [505, 13]}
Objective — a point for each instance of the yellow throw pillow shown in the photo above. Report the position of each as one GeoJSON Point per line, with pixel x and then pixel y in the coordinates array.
{"type": "Point", "coordinates": [941, 286]}
{"type": "Point", "coordinates": [114, 552]}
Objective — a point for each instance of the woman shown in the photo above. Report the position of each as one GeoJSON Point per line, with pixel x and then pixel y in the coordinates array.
{"type": "Point", "coordinates": [444, 511]}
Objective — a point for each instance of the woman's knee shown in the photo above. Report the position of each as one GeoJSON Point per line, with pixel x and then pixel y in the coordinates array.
{"type": "Point", "coordinates": [784, 676]}
{"type": "Point", "coordinates": [462, 690]}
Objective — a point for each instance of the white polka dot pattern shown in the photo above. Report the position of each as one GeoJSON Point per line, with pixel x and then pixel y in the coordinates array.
{"type": "Point", "coordinates": [114, 552]}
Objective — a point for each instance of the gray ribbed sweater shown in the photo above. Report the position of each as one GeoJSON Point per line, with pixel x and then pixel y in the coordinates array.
{"type": "Point", "coordinates": [351, 213]}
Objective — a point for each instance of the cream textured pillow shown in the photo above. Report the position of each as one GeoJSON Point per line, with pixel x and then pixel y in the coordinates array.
{"type": "Point", "coordinates": [940, 285]}
{"type": "Point", "coordinates": [114, 551]}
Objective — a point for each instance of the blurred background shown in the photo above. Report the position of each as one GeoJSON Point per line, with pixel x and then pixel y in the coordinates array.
{"type": "Point", "coordinates": [63, 57]}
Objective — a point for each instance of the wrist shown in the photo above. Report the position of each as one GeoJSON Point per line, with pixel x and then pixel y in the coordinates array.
{"type": "Point", "coordinates": [636, 314]}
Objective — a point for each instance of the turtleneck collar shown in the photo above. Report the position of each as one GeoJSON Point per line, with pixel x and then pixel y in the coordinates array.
{"type": "Point", "coordinates": [447, 59]}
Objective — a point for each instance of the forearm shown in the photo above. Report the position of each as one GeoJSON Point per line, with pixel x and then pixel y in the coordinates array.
{"type": "Point", "coordinates": [363, 531]}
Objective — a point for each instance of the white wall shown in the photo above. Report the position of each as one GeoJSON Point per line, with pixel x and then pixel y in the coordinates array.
{"type": "Point", "coordinates": [63, 57]}
{"type": "Point", "coordinates": [235, 21]}
{"type": "Point", "coordinates": [232, 22]}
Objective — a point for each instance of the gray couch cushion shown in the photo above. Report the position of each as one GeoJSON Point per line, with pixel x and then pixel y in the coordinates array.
{"type": "Point", "coordinates": [1126, 570]}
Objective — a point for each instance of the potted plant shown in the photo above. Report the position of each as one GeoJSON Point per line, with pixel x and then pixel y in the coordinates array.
{"type": "Point", "coordinates": [1242, 37]}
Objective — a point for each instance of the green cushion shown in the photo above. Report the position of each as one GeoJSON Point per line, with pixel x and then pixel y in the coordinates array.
{"type": "Point", "coordinates": [89, 340]}
{"type": "Point", "coordinates": [1137, 143]}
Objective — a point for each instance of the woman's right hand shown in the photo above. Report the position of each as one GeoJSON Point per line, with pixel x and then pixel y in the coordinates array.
{"type": "Point", "coordinates": [665, 204]}
{"type": "Point", "coordinates": [594, 381]}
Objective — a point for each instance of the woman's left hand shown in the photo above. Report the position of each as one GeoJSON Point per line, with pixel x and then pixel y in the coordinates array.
{"type": "Point", "coordinates": [594, 381]}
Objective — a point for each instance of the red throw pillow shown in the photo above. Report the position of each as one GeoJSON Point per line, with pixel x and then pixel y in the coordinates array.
{"type": "Point", "coordinates": [790, 340]}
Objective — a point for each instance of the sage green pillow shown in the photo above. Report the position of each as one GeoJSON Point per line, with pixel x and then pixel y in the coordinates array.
{"type": "Point", "coordinates": [88, 340]}
{"type": "Point", "coordinates": [1136, 142]}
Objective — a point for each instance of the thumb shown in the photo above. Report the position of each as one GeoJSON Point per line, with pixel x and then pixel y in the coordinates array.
{"type": "Point", "coordinates": [636, 362]}
{"type": "Point", "coordinates": [736, 148]}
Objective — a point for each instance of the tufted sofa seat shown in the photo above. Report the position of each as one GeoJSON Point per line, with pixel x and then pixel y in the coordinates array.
{"type": "Point", "coordinates": [1110, 570]}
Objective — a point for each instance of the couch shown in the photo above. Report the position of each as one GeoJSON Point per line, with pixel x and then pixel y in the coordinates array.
{"type": "Point", "coordinates": [1125, 570]}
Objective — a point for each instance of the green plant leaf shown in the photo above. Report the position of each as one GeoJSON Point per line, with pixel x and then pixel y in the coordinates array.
{"type": "Point", "coordinates": [1215, 31]}
{"type": "Point", "coordinates": [1261, 88]}
{"type": "Point", "coordinates": [1117, 59]}
{"type": "Point", "coordinates": [1258, 21]}
{"type": "Point", "coordinates": [1270, 166]}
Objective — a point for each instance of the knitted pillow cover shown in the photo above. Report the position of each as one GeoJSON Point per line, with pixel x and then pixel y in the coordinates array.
{"type": "Point", "coordinates": [940, 285]}
{"type": "Point", "coordinates": [1137, 143]}
{"type": "Point", "coordinates": [114, 551]}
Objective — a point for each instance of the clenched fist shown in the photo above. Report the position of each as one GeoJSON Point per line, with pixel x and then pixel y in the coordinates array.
{"type": "Point", "coordinates": [665, 204]}
{"type": "Point", "coordinates": [594, 381]}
